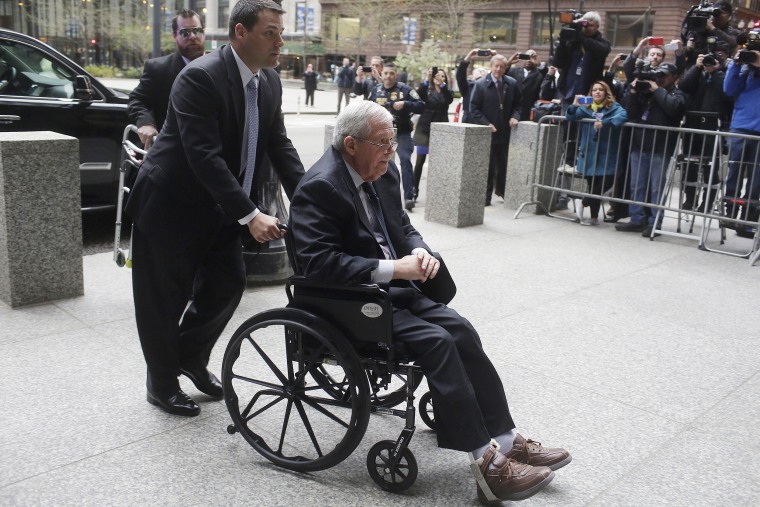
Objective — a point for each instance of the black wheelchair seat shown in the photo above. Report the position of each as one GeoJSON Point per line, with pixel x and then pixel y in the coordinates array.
{"type": "Point", "coordinates": [362, 313]}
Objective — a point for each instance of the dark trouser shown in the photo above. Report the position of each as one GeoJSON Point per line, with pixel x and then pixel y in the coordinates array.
{"type": "Point", "coordinates": [621, 189]}
{"type": "Point", "coordinates": [570, 135]}
{"type": "Point", "coordinates": [699, 149]}
{"type": "Point", "coordinates": [418, 164]}
{"type": "Point", "coordinates": [309, 97]}
{"type": "Point", "coordinates": [597, 185]}
{"type": "Point", "coordinates": [344, 92]}
{"type": "Point", "coordinates": [497, 170]}
{"type": "Point", "coordinates": [173, 333]}
{"type": "Point", "coordinates": [743, 161]}
{"type": "Point", "coordinates": [468, 397]}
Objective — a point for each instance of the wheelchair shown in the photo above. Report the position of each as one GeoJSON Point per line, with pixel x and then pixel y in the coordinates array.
{"type": "Point", "coordinates": [300, 382]}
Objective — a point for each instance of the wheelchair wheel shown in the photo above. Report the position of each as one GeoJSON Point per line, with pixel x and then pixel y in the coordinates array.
{"type": "Point", "coordinates": [276, 403]}
{"type": "Point", "coordinates": [390, 477]}
{"type": "Point", "coordinates": [392, 395]}
{"type": "Point", "coordinates": [426, 410]}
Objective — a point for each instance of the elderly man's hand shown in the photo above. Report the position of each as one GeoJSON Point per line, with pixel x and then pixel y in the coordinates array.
{"type": "Point", "coordinates": [419, 266]}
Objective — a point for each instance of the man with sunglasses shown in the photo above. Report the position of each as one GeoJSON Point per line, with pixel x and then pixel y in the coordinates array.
{"type": "Point", "coordinates": [149, 100]}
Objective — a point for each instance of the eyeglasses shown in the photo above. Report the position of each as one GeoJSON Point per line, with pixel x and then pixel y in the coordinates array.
{"type": "Point", "coordinates": [185, 32]}
{"type": "Point", "coordinates": [383, 146]}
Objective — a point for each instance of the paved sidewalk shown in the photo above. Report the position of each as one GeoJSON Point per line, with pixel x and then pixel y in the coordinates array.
{"type": "Point", "coordinates": [641, 357]}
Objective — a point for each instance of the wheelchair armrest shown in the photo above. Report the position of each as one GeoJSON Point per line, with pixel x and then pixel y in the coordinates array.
{"type": "Point", "coordinates": [363, 313]}
{"type": "Point", "coordinates": [331, 288]}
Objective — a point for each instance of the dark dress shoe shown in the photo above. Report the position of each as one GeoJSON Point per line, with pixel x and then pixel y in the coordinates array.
{"type": "Point", "coordinates": [204, 380]}
{"type": "Point", "coordinates": [177, 403]}
{"type": "Point", "coordinates": [614, 218]}
{"type": "Point", "coordinates": [630, 227]}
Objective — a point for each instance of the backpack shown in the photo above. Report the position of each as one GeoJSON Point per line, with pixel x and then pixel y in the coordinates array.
{"type": "Point", "coordinates": [543, 108]}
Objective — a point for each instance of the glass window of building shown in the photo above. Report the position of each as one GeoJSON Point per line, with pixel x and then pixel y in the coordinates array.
{"type": "Point", "coordinates": [542, 30]}
{"type": "Point", "coordinates": [627, 29]}
{"type": "Point", "coordinates": [393, 29]}
{"type": "Point", "coordinates": [435, 28]}
{"type": "Point", "coordinates": [495, 28]}
{"type": "Point", "coordinates": [344, 30]}
{"type": "Point", "coordinates": [223, 13]}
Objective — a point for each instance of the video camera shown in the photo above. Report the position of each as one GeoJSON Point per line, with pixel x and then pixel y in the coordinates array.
{"type": "Point", "coordinates": [696, 18]}
{"type": "Point", "coordinates": [747, 55]}
{"type": "Point", "coordinates": [572, 26]}
{"type": "Point", "coordinates": [643, 73]}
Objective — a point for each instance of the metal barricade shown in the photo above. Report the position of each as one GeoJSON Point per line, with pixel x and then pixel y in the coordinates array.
{"type": "Point", "coordinates": [649, 161]}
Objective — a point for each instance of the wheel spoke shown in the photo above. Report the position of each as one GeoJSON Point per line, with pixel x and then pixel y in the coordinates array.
{"type": "Point", "coordinates": [257, 382]}
{"type": "Point", "coordinates": [307, 425]}
{"type": "Point", "coordinates": [269, 405]}
{"type": "Point", "coordinates": [285, 421]}
{"type": "Point", "coordinates": [268, 361]}
{"type": "Point", "coordinates": [312, 403]}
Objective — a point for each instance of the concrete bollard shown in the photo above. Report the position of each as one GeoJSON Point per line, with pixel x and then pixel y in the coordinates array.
{"type": "Point", "coordinates": [329, 129]}
{"type": "Point", "coordinates": [40, 218]}
{"type": "Point", "coordinates": [525, 150]}
{"type": "Point", "coordinates": [457, 173]}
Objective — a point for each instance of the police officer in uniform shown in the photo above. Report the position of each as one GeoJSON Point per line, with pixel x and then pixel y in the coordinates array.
{"type": "Point", "coordinates": [402, 101]}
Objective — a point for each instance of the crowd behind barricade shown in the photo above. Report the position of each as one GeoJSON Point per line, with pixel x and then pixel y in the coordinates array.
{"type": "Point", "coordinates": [705, 78]}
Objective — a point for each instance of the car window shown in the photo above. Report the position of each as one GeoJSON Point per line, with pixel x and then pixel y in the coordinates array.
{"type": "Point", "coordinates": [27, 71]}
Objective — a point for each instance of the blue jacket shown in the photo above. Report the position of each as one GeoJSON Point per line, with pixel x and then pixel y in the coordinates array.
{"type": "Point", "coordinates": [598, 154]}
{"type": "Point", "coordinates": [743, 83]}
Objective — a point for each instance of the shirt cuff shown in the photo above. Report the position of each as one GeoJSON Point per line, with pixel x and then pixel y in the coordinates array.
{"type": "Point", "coordinates": [249, 217]}
{"type": "Point", "coordinates": [384, 271]}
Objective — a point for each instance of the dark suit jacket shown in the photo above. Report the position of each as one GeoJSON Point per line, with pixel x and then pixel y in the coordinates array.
{"type": "Point", "coordinates": [149, 101]}
{"type": "Point", "coordinates": [484, 106]}
{"type": "Point", "coordinates": [196, 161]}
{"type": "Point", "coordinates": [331, 232]}
{"type": "Point", "coordinates": [530, 87]}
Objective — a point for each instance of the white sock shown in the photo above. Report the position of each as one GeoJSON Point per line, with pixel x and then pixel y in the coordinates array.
{"type": "Point", "coordinates": [479, 452]}
{"type": "Point", "coordinates": [506, 440]}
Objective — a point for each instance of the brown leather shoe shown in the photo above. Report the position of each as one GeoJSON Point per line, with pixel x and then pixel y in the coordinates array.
{"type": "Point", "coordinates": [508, 479]}
{"type": "Point", "coordinates": [533, 453]}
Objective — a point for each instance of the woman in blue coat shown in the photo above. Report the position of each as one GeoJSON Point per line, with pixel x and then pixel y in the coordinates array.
{"type": "Point", "coordinates": [598, 146]}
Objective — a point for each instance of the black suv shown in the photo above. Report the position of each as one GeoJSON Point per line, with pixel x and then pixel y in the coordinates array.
{"type": "Point", "coordinates": [41, 89]}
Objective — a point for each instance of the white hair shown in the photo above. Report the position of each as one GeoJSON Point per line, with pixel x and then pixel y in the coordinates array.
{"type": "Point", "coordinates": [593, 16]}
{"type": "Point", "coordinates": [355, 120]}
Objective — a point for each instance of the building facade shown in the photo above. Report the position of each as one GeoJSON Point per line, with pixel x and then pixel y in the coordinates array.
{"type": "Point", "coordinates": [118, 32]}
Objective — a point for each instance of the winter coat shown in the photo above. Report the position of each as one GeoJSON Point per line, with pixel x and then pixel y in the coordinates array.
{"type": "Point", "coordinates": [436, 109]}
{"type": "Point", "coordinates": [598, 152]}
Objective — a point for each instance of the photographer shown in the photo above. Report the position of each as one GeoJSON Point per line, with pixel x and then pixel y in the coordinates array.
{"type": "Point", "coordinates": [742, 83]}
{"type": "Point", "coordinates": [707, 20]}
{"type": "Point", "coordinates": [434, 92]}
{"type": "Point", "coordinates": [402, 101]}
{"type": "Point", "coordinates": [368, 77]}
{"type": "Point", "coordinates": [707, 108]}
{"type": "Point", "coordinates": [466, 84]}
{"type": "Point", "coordinates": [580, 58]}
{"type": "Point", "coordinates": [529, 78]}
{"type": "Point", "coordinates": [648, 55]}
{"type": "Point", "coordinates": [651, 102]}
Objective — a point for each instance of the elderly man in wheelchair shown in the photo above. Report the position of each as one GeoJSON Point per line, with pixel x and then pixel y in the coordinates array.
{"type": "Point", "coordinates": [367, 318]}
